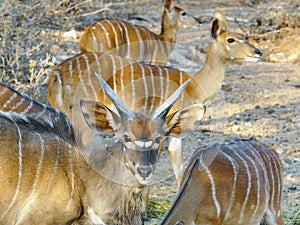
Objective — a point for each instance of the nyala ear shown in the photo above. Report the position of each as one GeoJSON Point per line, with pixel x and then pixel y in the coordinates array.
{"type": "Point", "coordinates": [218, 25]}
{"type": "Point", "coordinates": [169, 5]}
{"type": "Point", "coordinates": [99, 117]}
{"type": "Point", "coordinates": [185, 120]}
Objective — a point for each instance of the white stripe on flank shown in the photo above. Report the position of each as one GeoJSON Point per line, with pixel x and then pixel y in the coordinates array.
{"type": "Point", "coordinates": [236, 152]}
{"type": "Point", "coordinates": [114, 31]}
{"type": "Point", "coordinates": [28, 107]}
{"type": "Point", "coordinates": [81, 80]}
{"type": "Point", "coordinates": [279, 186]}
{"type": "Point", "coordinates": [89, 75]}
{"type": "Point", "coordinates": [278, 178]}
{"type": "Point", "coordinates": [106, 33]}
{"type": "Point", "coordinates": [153, 89]}
{"type": "Point", "coordinates": [155, 51]}
{"type": "Point", "coordinates": [56, 164]}
{"type": "Point", "coordinates": [18, 104]}
{"type": "Point", "coordinates": [122, 39]}
{"type": "Point", "coordinates": [233, 192]}
{"type": "Point", "coordinates": [71, 168]}
{"type": "Point", "coordinates": [167, 91]}
{"type": "Point", "coordinates": [213, 187]}
{"type": "Point", "coordinates": [19, 174]}
{"type": "Point", "coordinates": [133, 84]}
{"type": "Point", "coordinates": [14, 95]}
{"type": "Point", "coordinates": [278, 169]}
{"type": "Point", "coordinates": [121, 77]}
{"type": "Point", "coordinates": [161, 85]}
{"type": "Point", "coordinates": [39, 168]}
{"type": "Point", "coordinates": [181, 104]}
{"type": "Point", "coordinates": [114, 73]}
{"type": "Point", "coordinates": [145, 88]}
{"type": "Point", "coordinates": [127, 40]}
{"type": "Point", "coordinates": [271, 175]}
{"type": "Point", "coordinates": [257, 179]}
{"type": "Point", "coordinates": [97, 61]}
{"type": "Point", "coordinates": [70, 69]}
{"type": "Point", "coordinates": [148, 51]}
{"type": "Point", "coordinates": [256, 154]}
{"type": "Point", "coordinates": [95, 42]}
{"type": "Point", "coordinates": [141, 44]}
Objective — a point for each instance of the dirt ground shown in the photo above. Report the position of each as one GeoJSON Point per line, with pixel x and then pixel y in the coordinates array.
{"type": "Point", "coordinates": [257, 99]}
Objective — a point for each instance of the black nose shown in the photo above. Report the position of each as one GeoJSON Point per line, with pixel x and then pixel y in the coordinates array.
{"type": "Point", "coordinates": [259, 52]}
{"type": "Point", "coordinates": [144, 171]}
{"type": "Point", "coordinates": [199, 21]}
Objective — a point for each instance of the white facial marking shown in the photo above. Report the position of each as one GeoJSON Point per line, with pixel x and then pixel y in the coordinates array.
{"type": "Point", "coordinates": [139, 143]}
{"type": "Point", "coordinates": [143, 144]}
{"type": "Point", "coordinates": [242, 41]}
{"type": "Point", "coordinates": [148, 144]}
{"type": "Point", "coordinates": [228, 48]}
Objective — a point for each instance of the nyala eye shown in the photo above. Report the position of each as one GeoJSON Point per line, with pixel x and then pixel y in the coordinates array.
{"type": "Point", "coordinates": [127, 138]}
{"type": "Point", "coordinates": [230, 40]}
{"type": "Point", "coordinates": [157, 140]}
{"type": "Point", "coordinates": [183, 13]}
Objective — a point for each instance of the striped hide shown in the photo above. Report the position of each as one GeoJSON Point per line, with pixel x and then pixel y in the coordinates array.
{"type": "Point", "coordinates": [44, 179]}
{"type": "Point", "coordinates": [138, 42]}
{"type": "Point", "coordinates": [13, 101]}
{"type": "Point", "coordinates": [144, 87]}
{"type": "Point", "coordinates": [234, 183]}
{"type": "Point", "coordinates": [37, 173]}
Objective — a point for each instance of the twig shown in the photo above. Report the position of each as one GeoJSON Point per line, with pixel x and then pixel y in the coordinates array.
{"type": "Point", "coordinates": [270, 33]}
{"type": "Point", "coordinates": [206, 19]}
{"type": "Point", "coordinates": [106, 8]}
{"type": "Point", "coordinates": [28, 52]}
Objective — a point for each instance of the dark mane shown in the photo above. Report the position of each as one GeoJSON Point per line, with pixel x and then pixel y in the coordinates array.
{"type": "Point", "coordinates": [57, 120]}
{"type": "Point", "coordinates": [29, 99]}
{"type": "Point", "coordinates": [37, 125]}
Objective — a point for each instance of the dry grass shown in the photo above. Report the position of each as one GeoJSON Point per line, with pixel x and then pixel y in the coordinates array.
{"type": "Point", "coordinates": [26, 34]}
{"type": "Point", "coordinates": [157, 208]}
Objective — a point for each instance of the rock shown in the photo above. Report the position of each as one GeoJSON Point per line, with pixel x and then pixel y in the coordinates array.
{"type": "Point", "coordinates": [278, 57]}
